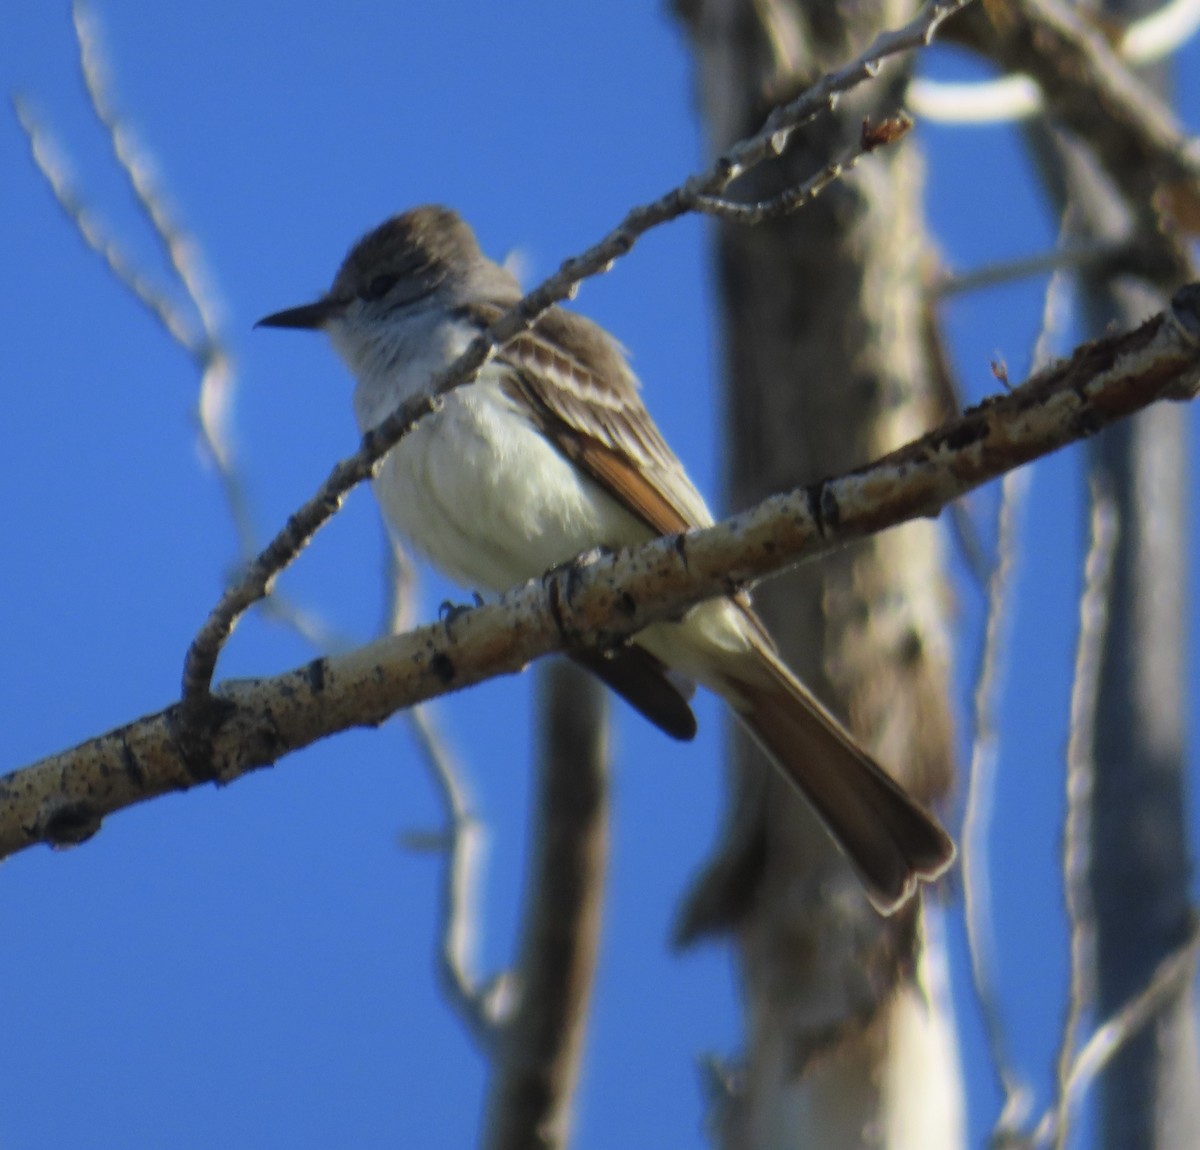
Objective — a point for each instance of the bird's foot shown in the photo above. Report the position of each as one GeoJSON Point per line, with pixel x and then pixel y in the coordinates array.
{"type": "Point", "coordinates": [448, 612]}
{"type": "Point", "coordinates": [573, 567]}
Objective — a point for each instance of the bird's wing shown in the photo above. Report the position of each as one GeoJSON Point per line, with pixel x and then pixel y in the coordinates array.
{"type": "Point", "coordinates": [573, 379]}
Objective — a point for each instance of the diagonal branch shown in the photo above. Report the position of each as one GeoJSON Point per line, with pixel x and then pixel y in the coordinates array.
{"type": "Point", "coordinates": [1170, 979]}
{"type": "Point", "coordinates": [872, 137]}
{"type": "Point", "coordinates": [1146, 40]}
{"type": "Point", "coordinates": [253, 723]}
{"type": "Point", "coordinates": [770, 140]}
{"type": "Point", "coordinates": [201, 341]}
{"type": "Point", "coordinates": [1089, 90]}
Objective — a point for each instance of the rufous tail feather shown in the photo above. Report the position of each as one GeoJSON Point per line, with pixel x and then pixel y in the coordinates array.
{"type": "Point", "coordinates": [891, 841]}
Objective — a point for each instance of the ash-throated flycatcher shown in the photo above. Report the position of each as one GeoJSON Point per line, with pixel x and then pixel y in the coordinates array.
{"type": "Point", "coordinates": [549, 453]}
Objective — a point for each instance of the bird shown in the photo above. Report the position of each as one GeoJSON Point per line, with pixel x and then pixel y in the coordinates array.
{"type": "Point", "coordinates": [548, 453]}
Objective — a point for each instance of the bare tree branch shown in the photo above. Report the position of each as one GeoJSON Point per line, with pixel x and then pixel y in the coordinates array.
{"type": "Point", "coordinates": [1160, 33]}
{"type": "Point", "coordinates": [484, 1004]}
{"type": "Point", "coordinates": [1089, 90]}
{"type": "Point", "coordinates": [253, 723]}
{"type": "Point", "coordinates": [481, 1005]}
{"type": "Point", "coordinates": [793, 199]}
{"type": "Point", "coordinates": [1085, 688]}
{"type": "Point", "coordinates": [1083, 254]}
{"type": "Point", "coordinates": [541, 1045]}
{"type": "Point", "coordinates": [770, 140]}
{"type": "Point", "coordinates": [981, 780]}
{"type": "Point", "coordinates": [1008, 1128]}
{"type": "Point", "coordinates": [1138, 876]}
{"type": "Point", "coordinates": [1170, 979]}
{"type": "Point", "coordinates": [1144, 41]}
{"type": "Point", "coordinates": [199, 335]}
{"type": "Point", "coordinates": [205, 345]}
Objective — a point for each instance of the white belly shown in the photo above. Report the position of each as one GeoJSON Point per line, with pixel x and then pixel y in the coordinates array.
{"type": "Point", "coordinates": [491, 503]}
{"type": "Point", "coordinates": [479, 491]}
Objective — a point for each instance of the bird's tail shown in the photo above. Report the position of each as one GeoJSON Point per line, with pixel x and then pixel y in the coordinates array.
{"type": "Point", "coordinates": [892, 842]}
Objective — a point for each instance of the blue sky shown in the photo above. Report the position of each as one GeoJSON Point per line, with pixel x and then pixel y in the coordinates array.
{"type": "Point", "coordinates": [254, 967]}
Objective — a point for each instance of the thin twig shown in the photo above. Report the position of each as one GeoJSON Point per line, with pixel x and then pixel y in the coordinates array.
{"type": "Point", "coordinates": [1085, 688]}
{"type": "Point", "coordinates": [181, 249]}
{"type": "Point", "coordinates": [977, 819]}
{"type": "Point", "coordinates": [464, 837]}
{"type": "Point", "coordinates": [966, 535]}
{"type": "Point", "coordinates": [311, 626]}
{"type": "Point", "coordinates": [209, 350]}
{"type": "Point", "coordinates": [1065, 257]}
{"type": "Point", "coordinates": [770, 140]}
{"type": "Point", "coordinates": [1170, 978]}
{"type": "Point", "coordinates": [981, 778]}
{"type": "Point", "coordinates": [790, 200]}
{"type": "Point", "coordinates": [199, 336]}
{"type": "Point", "coordinates": [481, 1006]}
{"type": "Point", "coordinates": [49, 160]}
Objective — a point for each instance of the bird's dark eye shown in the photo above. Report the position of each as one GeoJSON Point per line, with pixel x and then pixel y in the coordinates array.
{"type": "Point", "coordinates": [379, 287]}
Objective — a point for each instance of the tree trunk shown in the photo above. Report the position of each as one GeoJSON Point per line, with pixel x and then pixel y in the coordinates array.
{"type": "Point", "coordinates": [532, 1093]}
{"type": "Point", "coordinates": [1139, 866]}
{"type": "Point", "coordinates": [825, 368]}
{"type": "Point", "coordinates": [1140, 869]}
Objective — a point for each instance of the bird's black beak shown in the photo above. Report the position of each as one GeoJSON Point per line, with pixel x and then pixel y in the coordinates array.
{"type": "Point", "coordinates": [311, 316]}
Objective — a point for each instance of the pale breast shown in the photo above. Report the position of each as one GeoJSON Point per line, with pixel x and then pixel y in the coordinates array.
{"type": "Point", "coordinates": [491, 502]}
